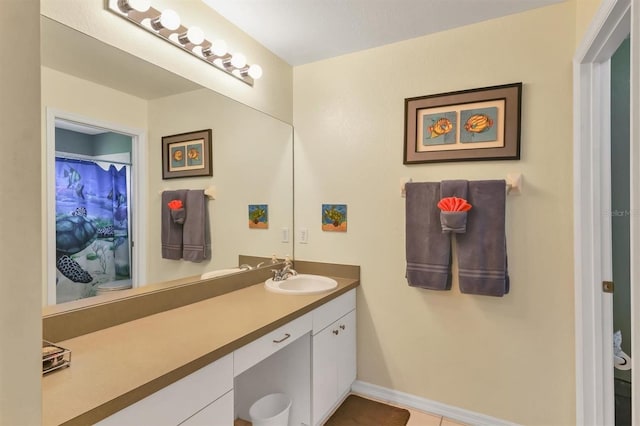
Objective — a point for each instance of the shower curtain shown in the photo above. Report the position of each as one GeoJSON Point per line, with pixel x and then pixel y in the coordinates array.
{"type": "Point", "coordinates": [92, 229]}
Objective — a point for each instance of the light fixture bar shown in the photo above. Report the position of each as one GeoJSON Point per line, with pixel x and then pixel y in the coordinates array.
{"type": "Point", "coordinates": [166, 25]}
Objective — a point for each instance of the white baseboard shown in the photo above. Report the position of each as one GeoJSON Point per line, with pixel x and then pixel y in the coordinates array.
{"type": "Point", "coordinates": [426, 405]}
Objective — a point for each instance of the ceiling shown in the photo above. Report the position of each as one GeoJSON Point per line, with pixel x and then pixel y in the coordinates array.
{"type": "Point", "coordinates": [303, 31]}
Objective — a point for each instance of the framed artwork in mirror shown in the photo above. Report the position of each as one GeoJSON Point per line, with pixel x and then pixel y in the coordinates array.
{"type": "Point", "coordinates": [187, 155]}
{"type": "Point", "coordinates": [476, 124]}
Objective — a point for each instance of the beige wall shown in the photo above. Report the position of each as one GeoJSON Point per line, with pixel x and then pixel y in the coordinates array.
{"type": "Point", "coordinates": [70, 94]}
{"type": "Point", "coordinates": [512, 357]}
{"type": "Point", "coordinates": [20, 233]}
{"type": "Point", "coordinates": [585, 12]}
{"type": "Point", "coordinates": [272, 93]}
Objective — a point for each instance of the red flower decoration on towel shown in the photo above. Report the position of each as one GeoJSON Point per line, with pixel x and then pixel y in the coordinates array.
{"type": "Point", "coordinates": [175, 204]}
{"type": "Point", "coordinates": [454, 204]}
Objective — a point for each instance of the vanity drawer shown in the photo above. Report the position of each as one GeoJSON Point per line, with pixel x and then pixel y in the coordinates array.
{"type": "Point", "coordinates": [254, 352]}
{"type": "Point", "coordinates": [331, 311]}
{"type": "Point", "coordinates": [218, 413]}
{"type": "Point", "coordinates": [180, 400]}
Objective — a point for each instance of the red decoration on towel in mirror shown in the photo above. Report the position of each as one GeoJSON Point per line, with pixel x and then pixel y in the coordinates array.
{"type": "Point", "coordinates": [175, 204]}
{"type": "Point", "coordinates": [454, 204]}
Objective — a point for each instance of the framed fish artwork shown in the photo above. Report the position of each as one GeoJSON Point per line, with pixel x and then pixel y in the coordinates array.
{"type": "Point", "coordinates": [187, 155]}
{"type": "Point", "coordinates": [468, 125]}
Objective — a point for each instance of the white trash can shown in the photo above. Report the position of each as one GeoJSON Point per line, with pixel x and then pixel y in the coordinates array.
{"type": "Point", "coordinates": [271, 410]}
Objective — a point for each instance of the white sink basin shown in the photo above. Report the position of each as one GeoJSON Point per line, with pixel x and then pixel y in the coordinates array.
{"type": "Point", "coordinates": [301, 284]}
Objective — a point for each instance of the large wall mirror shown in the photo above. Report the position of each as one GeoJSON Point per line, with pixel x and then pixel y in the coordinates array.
{"type": "Point", "coordinates": [105, 113]}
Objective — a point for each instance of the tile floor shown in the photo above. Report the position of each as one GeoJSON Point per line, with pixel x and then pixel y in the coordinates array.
{"type": "Point", "coordinates": [419, 418]}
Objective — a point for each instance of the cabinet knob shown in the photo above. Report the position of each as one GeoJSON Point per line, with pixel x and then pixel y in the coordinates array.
{"type": "Point", "coordinates": [336, 332]}
{"type": "Point", "coordinates": [342, 326]}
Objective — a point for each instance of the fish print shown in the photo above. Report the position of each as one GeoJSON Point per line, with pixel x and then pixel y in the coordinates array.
{"type": "Point", "coordinates": [73, 176]}
{"type": "Point", "coordinates": [478, 123]}
{"type": "Point", "coordinates": [193, 154]}
{"type": "Point", "coordinates": [120, 199]}
{"type": "Point", "coordinates": [441, 127]}
{"type": "Point", "coordinates": [79, 190]}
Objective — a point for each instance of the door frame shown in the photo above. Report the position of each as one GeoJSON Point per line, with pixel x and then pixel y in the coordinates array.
{"type": "Point", "coordinates": [137, 199]}
{"type": "Point", "coordinates": [592, 226]}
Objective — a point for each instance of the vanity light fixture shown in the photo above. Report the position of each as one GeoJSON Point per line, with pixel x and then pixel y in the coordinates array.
{"type": "Point", "coordinates": [127, 6]}
{"type": "Point", "coordinates": [168, 19]}
{"type": "Point", "coordinates": [166, 25]}
{"type": "Point", "coordinates": [193, 35]}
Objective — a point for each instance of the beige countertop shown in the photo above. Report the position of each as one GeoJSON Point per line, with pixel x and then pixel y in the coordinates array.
{"type": "Point", "coordinates": [117, 366]}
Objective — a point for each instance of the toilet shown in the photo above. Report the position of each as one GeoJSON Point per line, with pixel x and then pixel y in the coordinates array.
{"type": "Point", "coordinates": [107, 288]}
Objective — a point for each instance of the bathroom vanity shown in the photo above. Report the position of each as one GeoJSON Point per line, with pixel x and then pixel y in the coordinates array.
{"type": "Point", "coordinates": [207, 362]}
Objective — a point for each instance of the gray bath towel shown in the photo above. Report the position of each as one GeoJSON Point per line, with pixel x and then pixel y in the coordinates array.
{"type": "Point", "coordinates": [428, 249]}
{"type": "Point", "coordinates": [194, 239]}
{"type": "Point", "coordinates": [171, 232]}
{"type": "Point", "coordinates": [482, 251]}
{"type": "Point", "coordinates": [455, 222]}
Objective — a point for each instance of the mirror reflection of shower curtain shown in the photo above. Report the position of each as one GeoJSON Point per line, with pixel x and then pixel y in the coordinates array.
{"type": "Point", "coordinates": [92, 226]}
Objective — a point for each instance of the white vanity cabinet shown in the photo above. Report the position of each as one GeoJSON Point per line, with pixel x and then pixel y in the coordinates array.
{"type": "Point", "coordinates": [311, 358]}
{"type": "Point", "coordinates": [333, 354]}
{"type": "Point", "coordinates": [203, 397]}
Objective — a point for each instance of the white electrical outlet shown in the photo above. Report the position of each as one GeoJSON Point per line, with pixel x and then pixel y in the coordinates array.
{"type": "Point", "coordinates": [304, 235]}
{"type": "Point", "coordinates": [285, 235]}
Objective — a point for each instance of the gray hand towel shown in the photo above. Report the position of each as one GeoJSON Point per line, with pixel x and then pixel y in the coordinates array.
{"type": "Point", "coordinates": [171, 232]}
{"type": "Point", "coordinates": [194, 228]}
{"type": "Point", "coordinates": [428, 249]}
{"type": "Point", "coordinates": [482, 251]}
{"type": "Point", "coordinates": [455, 222]}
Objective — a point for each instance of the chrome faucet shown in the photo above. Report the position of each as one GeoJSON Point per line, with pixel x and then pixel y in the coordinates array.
{"type": "Point", "coordinates": [284, 273]}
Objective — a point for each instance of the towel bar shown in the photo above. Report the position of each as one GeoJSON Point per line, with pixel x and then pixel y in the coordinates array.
{"type": "Point", "coordinates": [209, 192]}
{"type": "Point", "coordinates": [513, 180]}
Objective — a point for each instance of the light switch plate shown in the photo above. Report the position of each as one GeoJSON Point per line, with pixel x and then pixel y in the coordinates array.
{"type": "Point", "coordinates": [304, 235]}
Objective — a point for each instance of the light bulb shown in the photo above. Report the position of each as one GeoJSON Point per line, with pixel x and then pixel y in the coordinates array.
{"type": "Point", "coordinates": [194, 35]}
{"type": "Point", "coordinates": [127, 6]}
{"type": "Point", "coordinates": [169, 19]}
{"type": "Point", "coordinates": [255, 71]}
{"type": "Point", "coordinates": [219, 48]}
{"type": "Point", "coordinates": [238, 60]}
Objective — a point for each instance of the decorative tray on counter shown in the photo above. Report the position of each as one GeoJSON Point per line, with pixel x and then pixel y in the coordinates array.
{"type": "Point", "coordinates": [54, 357]}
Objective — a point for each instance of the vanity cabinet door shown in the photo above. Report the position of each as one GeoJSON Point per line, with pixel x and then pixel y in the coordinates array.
{"type": "Point", "coordinates": [346, 353]}
{"type": "Point", "coordinates": [324, 373]}
{"type": "Point", "coordinates": [334, 365]}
